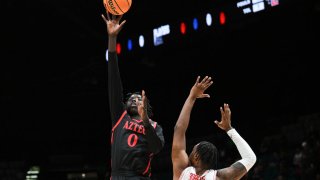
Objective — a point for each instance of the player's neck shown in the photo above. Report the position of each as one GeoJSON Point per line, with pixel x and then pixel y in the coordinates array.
{"type": "Point", "coordinates": [137, 117]}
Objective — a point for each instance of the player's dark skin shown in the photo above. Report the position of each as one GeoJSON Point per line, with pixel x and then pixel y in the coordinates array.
{"type": "Point", "coordinates": [135, 138]}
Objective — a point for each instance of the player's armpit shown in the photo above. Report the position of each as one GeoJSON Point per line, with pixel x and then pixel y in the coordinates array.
{"type": "Point", "coordinates": [180, 161]}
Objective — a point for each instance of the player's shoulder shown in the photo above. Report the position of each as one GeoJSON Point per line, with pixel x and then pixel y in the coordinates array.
{"type": "Point", "coordinates": [153, 123]}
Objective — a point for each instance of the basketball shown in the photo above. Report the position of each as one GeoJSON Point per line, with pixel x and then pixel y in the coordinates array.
{"type": "Point", "coordinates": [117, 7]}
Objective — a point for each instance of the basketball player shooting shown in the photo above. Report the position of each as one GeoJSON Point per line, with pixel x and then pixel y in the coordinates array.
{"type": "Point", "coordinates": [201, 164]}
{"type": "Point", "coordinates": [135, 138]}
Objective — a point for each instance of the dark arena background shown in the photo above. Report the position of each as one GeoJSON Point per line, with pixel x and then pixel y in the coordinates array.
{"type": "Point", "coordinates": [262, 54]}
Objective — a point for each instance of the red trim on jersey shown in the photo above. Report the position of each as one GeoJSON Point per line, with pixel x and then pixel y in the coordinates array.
{"type": "Point", "coordinates": [124, 113]}
{"type": "Point", "coordinates": [114, 127]}
{"type": "Point", "coordinates": [148, 167]}
{"type": "Point", "coordinates": [138, 121]}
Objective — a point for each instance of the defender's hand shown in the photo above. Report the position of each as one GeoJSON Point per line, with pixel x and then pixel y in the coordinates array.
{"type": "Point", "coordinates": [197, 91]}
{"type": "Point", "coordinates": [225, 123]}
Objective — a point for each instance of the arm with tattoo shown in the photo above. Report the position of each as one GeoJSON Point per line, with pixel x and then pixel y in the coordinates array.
{"type": "Point", "coordinates": [241, 167]}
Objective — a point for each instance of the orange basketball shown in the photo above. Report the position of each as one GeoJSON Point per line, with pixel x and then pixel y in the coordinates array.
{"type": "Point", "coordinates": [117, 7]}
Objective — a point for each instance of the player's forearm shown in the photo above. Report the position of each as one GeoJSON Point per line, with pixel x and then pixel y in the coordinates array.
{"type": "Point", "coordinates": [184, 117]}
{"type": "Point", "coordinates": [112, 43]}
{"type": "Point", "coordinates": [248, 156]}
{"type": "Point", "coordinates": [115, 89]}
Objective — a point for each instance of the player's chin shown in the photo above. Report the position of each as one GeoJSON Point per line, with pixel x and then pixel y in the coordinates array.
{"type": "Point", "coordinates": [132, 110]}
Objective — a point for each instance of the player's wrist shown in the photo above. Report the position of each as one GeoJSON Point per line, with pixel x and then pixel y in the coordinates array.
{"type": "Point", "coordinates": [113, 36]}
{"type": "Point", "coordinates": [192, 97]}
{"type": "Point", "coordinates": [112, 39]}
{"type": "Point", "coordinates": [229, 129]}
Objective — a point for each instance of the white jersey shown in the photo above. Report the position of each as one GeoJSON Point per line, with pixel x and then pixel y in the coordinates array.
{"type": "Point", "coordinates": [190, 174]}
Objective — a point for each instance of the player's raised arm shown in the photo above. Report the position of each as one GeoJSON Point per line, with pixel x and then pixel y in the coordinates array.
{"type": "Point", "coordinates": [241, 167]}
{"type": "Point", "coordinates": [179, 156]}
{"type": "Point", "coordinates": [115, 89]}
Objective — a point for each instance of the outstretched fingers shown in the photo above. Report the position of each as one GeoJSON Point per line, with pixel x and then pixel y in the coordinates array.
{"type": "Point", "coordinates": [144, 98]}
{"type": "Point", "coordinates": [227, 110]}
{"type": "Point", "coordinates": [205, 96]}
{"type": "Point", "coordinates": [108, 16]}
{"type": "Point", "coordinates": [104, 18]}
{"type": "Point", "coordinates": [143, 94]}
{"type": "Point", "coordinates": [225, 122]}
{"type": "Point", "coordinates": [197, 81]}
{"type": "Point", "coordinates": [121, 24]}
{"type": "Point", "coordinates": [206, 82]}
{"type": "Point", "coordinates": [222, 117]}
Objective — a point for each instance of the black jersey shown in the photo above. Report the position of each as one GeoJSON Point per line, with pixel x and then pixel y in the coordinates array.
{"type": "Point", "coordinates": [132, 143]}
